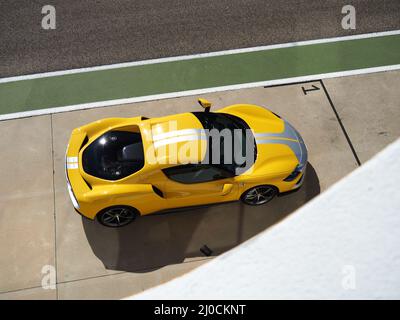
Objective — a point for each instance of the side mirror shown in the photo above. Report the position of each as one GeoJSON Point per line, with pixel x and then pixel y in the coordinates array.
{"type": "Point", "coordinates": [205, 104]}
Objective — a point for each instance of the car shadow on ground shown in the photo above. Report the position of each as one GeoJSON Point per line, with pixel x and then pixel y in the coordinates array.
{"type": "Point", "coordinates": [157, 240]}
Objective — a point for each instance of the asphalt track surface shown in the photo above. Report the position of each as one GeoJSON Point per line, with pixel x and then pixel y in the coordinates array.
{"type": "Point", "coordinates": [91, 33]}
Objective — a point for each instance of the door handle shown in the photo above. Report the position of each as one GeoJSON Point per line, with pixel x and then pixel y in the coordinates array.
{"type": "Point", "coordinates": [227, 188]}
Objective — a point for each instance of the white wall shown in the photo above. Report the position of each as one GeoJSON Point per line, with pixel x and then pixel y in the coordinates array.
{"type": "Point", "coordinates": [351, 229]}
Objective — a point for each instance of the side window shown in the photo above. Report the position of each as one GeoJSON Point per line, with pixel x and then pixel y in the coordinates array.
{"type": "Point", "coordinates": [196, 173]}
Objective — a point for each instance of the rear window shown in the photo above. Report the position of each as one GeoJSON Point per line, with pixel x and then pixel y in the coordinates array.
{"type": "Point", "coordinates": [238, 127]}
{"type": "Point", "coordinates": [114, 155]}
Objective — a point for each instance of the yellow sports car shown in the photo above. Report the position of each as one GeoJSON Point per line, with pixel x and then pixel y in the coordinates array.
{"type": "Point", "coordinates": [119, 168]}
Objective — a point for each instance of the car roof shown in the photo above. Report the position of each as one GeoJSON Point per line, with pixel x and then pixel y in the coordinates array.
{"type": "Point", "coordinates": [174, 139]}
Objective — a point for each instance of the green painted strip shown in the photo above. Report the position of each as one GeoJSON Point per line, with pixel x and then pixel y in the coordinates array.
{"type": "Point", "coordinates": [198, 73]}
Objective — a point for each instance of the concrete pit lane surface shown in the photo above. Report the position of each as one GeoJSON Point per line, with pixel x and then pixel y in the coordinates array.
{"type": "Point", "coordinates": [39, 227]}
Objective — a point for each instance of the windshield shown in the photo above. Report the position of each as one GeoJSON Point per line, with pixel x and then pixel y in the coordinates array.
{"type": "Point", "coordinates": [114, 155]}
{"type": "Point", "coordinates": [233, 141]}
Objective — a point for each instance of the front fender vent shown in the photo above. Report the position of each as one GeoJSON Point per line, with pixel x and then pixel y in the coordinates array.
{"type": "Point", "coordinates": [158, 192]}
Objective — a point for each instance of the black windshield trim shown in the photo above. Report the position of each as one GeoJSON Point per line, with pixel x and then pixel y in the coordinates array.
{"type": "Point", "coordinates": [205, 119]}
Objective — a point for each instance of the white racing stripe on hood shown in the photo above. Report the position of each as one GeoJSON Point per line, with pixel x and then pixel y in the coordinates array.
{"type": "Point", "coordinates": [164, 142]}
{"type": "Point", "coordinates": [294, 145]}
{"type": "Point", "coordinates": [177, 133]}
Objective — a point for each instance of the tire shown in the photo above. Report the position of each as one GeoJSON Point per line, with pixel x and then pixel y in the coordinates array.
{"type": "Point", "coordinates": [259, 195]}
{"type": "Point", "coordinates": [117, 216]}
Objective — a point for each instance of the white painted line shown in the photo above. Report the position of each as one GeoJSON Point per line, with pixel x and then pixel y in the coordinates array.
{"type": "Point", "coordinates": [198, 56]}
{"type": "Point", "coordinates": [100, 104]}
